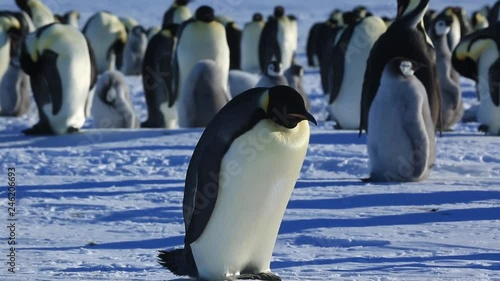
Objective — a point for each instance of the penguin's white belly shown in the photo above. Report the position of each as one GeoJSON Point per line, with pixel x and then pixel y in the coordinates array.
{"type": "Point", "coordinates": [75, 91]}
{"type": "Point", "coordinates": [286, 43]}
{"type": "Point", "coordinates": [250, 48]}
{"type": "Point", "coordinates": [254, 190]}
{"type": "Point", "coordinates": [488, 113]}
{"type": "Point", "coordinates": [105, 116]}
{"type": "Point", "coordinates": [346, 107]}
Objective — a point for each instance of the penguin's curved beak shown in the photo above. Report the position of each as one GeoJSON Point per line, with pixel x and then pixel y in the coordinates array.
{"type": "Point", "coordinates": [306, 116]}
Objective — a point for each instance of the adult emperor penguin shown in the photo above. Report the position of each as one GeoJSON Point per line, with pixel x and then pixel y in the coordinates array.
{"type": "Point", "coordinates": [234, 199]}
{"type": "Point", "coordinates": [39, 13]}
{"type": "Point", "coordinates": [14, 83]}
{"type": "Point", "coordinates": [278, 40]}
{"type": "Point", "coordinates": [401, 142]}
{"type": "Point", "coordinates": [250, 44]}
{"type": "Point", "coordinates": [107, 36]}
{"type": "Point", "coordinates": [112, 106]}
{"type": "Point", "coordinates": [157, 80]}
{"type": "Point", "coordinates": [273, 76]}
{"type": "Point", "coordinates": [203, 95]}
{"type": "Point", "coordinates": [319, 36]}
{"type": "Point", "coordinates": [134, 51]}
{"type": "Point", "coordinates": [477, 57]}
{"type": "Point", "coordinates": [449, 79]}
{"type": "Point", "coordinates": [201, 38]}
{"type": "Point", "coordinates": [348, 65]}
{"type": "Point", "coordinates": [408, 31]}
{"type": "Point", "coordinates": [71, 18]}
{"type": "Point", "coordinates": [177, 13]}
{"type": "Point", "coordinates": [61, 67]}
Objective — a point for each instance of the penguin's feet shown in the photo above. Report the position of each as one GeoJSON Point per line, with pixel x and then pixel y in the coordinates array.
{"type": "Point", "coordinates": [367, 180]}
{"type": "Point", "coordinates": [72, 130]}
{"type": "Point", "coordinates": [337, 126]}
{"type": "Point", "coordinates": [39, 129]}
{"type": "Point", "coordinates": [483, 128]}
{"type": "Point", "coordinates": [261, 276]}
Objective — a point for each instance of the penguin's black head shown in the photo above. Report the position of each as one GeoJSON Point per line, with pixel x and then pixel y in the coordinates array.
{"type": "Point", "coordinates": [173, 28]}
{"type": "Point", "coordinates": [404, 66]}
{"type": "Point", "coordinates": [350, 18]}
{"type": "Point", "coordinates": [286, 107]}
{"type": "Point", "coordinates": [138, 30]}
{"type": "Point", "coordinates": [23, 5]}
{"type": "Point", "coordinates": [404, 5]}
{"type": "Point", "coordinates": [279, 11]}
{"type": "Point", "coordinates": [257, 17]}
{"type": "Point", "coordinates": [274, 68]}
{"type": "Point", "coordinates": [205, 14]}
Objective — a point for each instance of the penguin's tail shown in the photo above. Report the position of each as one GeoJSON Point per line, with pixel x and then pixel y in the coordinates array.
{"type": "Point", "coordinates": [177, 263]}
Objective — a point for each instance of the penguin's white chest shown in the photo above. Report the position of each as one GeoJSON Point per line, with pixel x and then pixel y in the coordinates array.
{"type": "Point", "coordinates": [488, 113]}
{"type": "Point", "coordinates": [258, 174]}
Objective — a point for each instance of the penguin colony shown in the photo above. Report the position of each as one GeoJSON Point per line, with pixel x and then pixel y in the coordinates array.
{"type": "Point", "coordinates": [199, 69]}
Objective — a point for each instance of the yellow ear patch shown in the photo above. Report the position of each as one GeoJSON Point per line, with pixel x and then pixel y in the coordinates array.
{"type": "Point", "coordinates": [264, 101]}
{"type": "Point", "coordinates": [166, 33]}
{"type": "Point", "coordinates": [8, 22]}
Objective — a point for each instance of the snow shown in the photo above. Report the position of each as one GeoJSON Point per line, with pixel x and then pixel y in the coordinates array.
{"type": "Point", "coordinates": [98, 205]}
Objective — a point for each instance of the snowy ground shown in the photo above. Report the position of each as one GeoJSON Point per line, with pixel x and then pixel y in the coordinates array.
{"type": "Point", "coordinates": [99, 204]}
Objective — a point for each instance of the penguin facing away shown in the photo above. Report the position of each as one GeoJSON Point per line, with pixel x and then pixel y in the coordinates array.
{"type": "Point", "coordinates": [112, 106]}
{"type": "Point", "coordinates": [14, 83]}
{"type": "Point", "coordinates": [407, 30]}
{"type": "Point", "coordinates": [477, 58]}
{"type": "Point", "coordinates": [203, 95]}
{"type": "Point", "coordinates": [250, 44]}
{"type": "Point", "coordinates": [133, 54]}
{"type": "Point", "coordinates": [177, 13]}
{"type": "Point", "coordinates": [232, 218]}
{"type": "Point", "coordinates": [348, 65]}
{"type": "Point", "coordinates": [201, 38]}
{"type": "Point", "coordinates": [61, 67]}
{"type": "Point", "coordinates": [157, 80]}
{"type": "Point", "coordinates": [107, 36]}
{"type": "Point", "coordinates": [449, 79]}
{"type": "Point", "coordinates": [273, 76]}
{"type": "Point", "coordinates": [401, 142]}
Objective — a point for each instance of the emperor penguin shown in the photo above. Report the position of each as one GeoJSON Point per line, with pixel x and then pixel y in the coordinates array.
{"type": "Point", "coordinates": [112, 106]}
{"type": "Point", "coordinates": [477, 57]}
{"type": "Point", "coordinates": [465, 27]}
{"type": "Point", "coordinates": [449, 79]}
{"type": "Point", "coordinates": [39, 13]}
{"type": "Point", "coordinates": [348, 65]}
{"type": "Point", "coordinates": [203, 95]}
{"type": "Point", "coordinates": [250, 44]}
{"type": "Point", "coordinates": [129, 23]}
{"type": "Point", "coordinates": [107, 36]}
{"type": "Point", "coordinates": [233, 35]}
{"type": "Point", "coordinates": [453, 36]}
{"type": "Point", "coordinates": [71, 18]}
{"type": "Point", "coordinates": [61, 66]}
{"type": "Point", "coordinates": [157, 80]}
{"type": "Point", "coordinates": [478, 21]}
{"type": "Point", "coordinates": [236, 195]}
{"type": "Point", "coordinates": [278, 40]}
{"type": "Point", "coordinates": [201, 38]}
{"type": "Point", "coordinates": [134, 51]}
{"type": "Point", "coordinates": [14, 83]}
{"type": "Point", "coordinates": [319, 36]}
{"type": "Point", "coordinates": [177, 13]}
{"type": "Point", "coordinates": [273, 76]}
{"type": "Point", "coordinates": [241, 81]}
{"type": "Point", "coordinates": [401, 142]}
{"type": "Point", "coordinates": [407, 30]}
{"type": "Point", "coordinates": [294, 77]}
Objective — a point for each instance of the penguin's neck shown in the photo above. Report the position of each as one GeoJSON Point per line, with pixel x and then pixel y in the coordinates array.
{"type": "Point", "coordinates": [414, 14]}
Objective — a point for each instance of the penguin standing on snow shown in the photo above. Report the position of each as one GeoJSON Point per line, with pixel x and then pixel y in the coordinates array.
{"type": "Point", "coordinates": [278, 40]}
{"type": "Point", "coordinates": [112, 106]}
{"type": "Point", "coordinates": [273, 76]}
{"type": "Point", "coordinates": [177, 13]}
{"type": "Point", "coordinates": [201, 38]}
{"type": "Point", "coordinates": [250, 44]}
{"type": "Point", "coordinates": [348, 65]}
{"type": "Point", "coordinates": [401, 142]}
{"type": "Point", "coordinates": [61, 67]}
{"type": "Point", "coordinates": [449, 79]}
{"type": "Point", "coordinates": [203, 95]}
{"type": "Point", "coordinates": [133, 54]}
{"type": "Point", "coordinates": [157, 80]}
{"type": "Point", "coordinates": [408, 31]}
{"type": "Point", "coordinates": [477, 57]}
{"type": "Point", "coordinates": [224, 209]}
{"type": "Point", "coordinates": [107, 36]}
{"type": "Point", "coordinates": [14, 83]}
{"type": "Point", "coordinates": [39, 13]}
